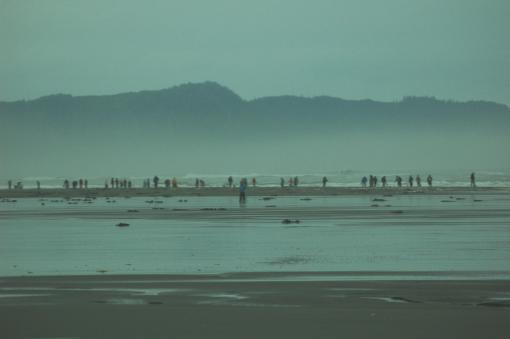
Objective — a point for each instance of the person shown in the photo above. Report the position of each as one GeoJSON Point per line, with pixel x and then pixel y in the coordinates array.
{"type": "Point", "coordinates": [38, 183]}
{"type": "Point", "coordinates": [472, 179]}
{"type": "Point", "coordinates": [282, 182]}
{"type": "Point", "coordinates": [243, 184]}
{"type": "Point", "coordinates": [197, 183]}
{"type": "Point", "coordinates": [429, 180]}
{"type": "Point", "coordinates": [155, 180]}
{"type": "Point", "coordinates": [364, 181]}
{"type": "Point", "coordinates": [202, 183]}
{"type": "Point", "coordinates": [81, 183]}
{"type": "Point", "coordinates": [106, 184]}
{"type": "Point", "coordinates": [296, 181]}
{"type": "Point", "coordinates": [230, 181]}
{"type": "Point", "coordinates": [66, 184]}
{"type": "Point", "coordinates": [174, 182]}
{"type": "Point", "coordinates": [324, 181]}
{"type": "Point", "coordinates": [112, 181]}
{"type": "Point", "coordinates": [418, 181]}
{"type": "Point", "coordinates": [290, 181]}
{"type": "Point", "coordinates": [75, 184]}
{"type": "Point", "coordinates": [86, 182]}
{"type": "Point", "coordinates": [254, 182]}
{"type": "Point", "coordinates": [398, 179]}
{"type": "Point", "coordinates": [383, 181]}
{"type": "Point", "coordinates": [167, 183]}
{"type": "Point", "coordinates": [116, 182]}
{"type": "Point", "coordinates": [130, 184]}
{"type": "Point", "coordinates": [411, 179]}
{"type": "Point", "coordinates": [371, 181]}
{"type": "Point", "coordinates": [375, 181]}
{"type": "Point", "coordinates": [9, 183]}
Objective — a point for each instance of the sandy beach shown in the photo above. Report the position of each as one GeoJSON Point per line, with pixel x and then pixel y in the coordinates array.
{"type": "Point", "coordinates": [253, 191]}
{"type": "Point", "coordinates": [257, 305]}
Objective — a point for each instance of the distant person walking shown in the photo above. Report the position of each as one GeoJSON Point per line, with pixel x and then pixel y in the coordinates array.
{"type": "Point", "coordinates": [418, 181]}
{"type": "Point", "coordinates": [174, 182]}
{"type": "Point", "coordinates": [282, 182]}
{"type": "Point", "coordinates": [375, 181]}
{"type": "Point", "coordinates": [383, 181]}
{"type": "Point", "coordinates": [472, 179]}
{"type": "Point", "coordinates": [296, 181]}
{"type": "Point", "coordinates": [9, 184]}
{"type": "Point", "coordinates": [364, 181]}
{"type": "Point", "coordinates": [38, 183]}
{"type": "Point", "coordinates": [155, 180]}
{"type": "Point", "coordinates": [243, 185]}
{"type": "Point", "coordinates": [197, 183]}
{"type": "Point", "coordinates": [86, 183]}
{"type": "Point", "coordinates": [230, 181]}
{"type": "Point", "coordinates": [81, 183]}
{"type": "Point", "coordinates": [66, 184]}
{"type": "Point", "coordinates": [254, 182]}
{"type": "Point", "coordinates": [112, 181]}
{"type": "Point", "coordinates": [324, 181]}
{"type": "Point", "coordinates": [429, 180]}
{"type": "Point", "coordinates": [411, 179]}
{"type": "Point", "coordinates": [398, 179]}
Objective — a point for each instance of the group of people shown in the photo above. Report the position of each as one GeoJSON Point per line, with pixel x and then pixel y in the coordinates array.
{"type": "Point", "coordinates": [80, 183]}
{"type": "Point", "coordinates": [372, 181]}
{"type": "Point", "coordinates": [118, 183]}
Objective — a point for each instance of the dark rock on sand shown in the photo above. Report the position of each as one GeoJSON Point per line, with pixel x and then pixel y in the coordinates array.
{"type": "Point", "coordinates": [122, 224]}
{"type": "Point", "coordinates": [289, 221]}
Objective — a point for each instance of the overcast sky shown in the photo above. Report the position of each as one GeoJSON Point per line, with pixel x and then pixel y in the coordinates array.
{"type": "Point", "coordinates": [452, 49]}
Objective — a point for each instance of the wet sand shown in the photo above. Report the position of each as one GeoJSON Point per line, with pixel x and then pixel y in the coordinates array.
{"type": "Point", "coordinates": [255, 305]}
{"type": "Point", "coordinates": [252, 191]}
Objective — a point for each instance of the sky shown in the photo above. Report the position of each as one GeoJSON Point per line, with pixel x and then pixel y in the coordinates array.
{"type": "Point", "coordinates": [354, 49]}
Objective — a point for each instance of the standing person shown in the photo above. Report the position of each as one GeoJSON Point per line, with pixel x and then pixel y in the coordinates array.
{"type": "Point", "coordinates": [296, 181]}
{"type": "Point", "coordinates": [86, 182]}
{"type": "Point", "coordinates": [230, 181]}
{"type": "Point", "coordinates": [130, 184]}
{"type": "Point", "coordinates": [375, 181]}
{"type": "Point", "coordinates": [155, 180]}
{"type": "Point", "coordinates": [9, 183]}
{"type": "Point", "coordinates": [429, 180]}
{"type": "Point", "coordinates": [324, 181]}
{"type": "Point", "coordinates": [383, 181]}
{"type": "Point", "coordinates": [282, 182]}
{"type": "Point", "coordinates": [290, 181]}
{"type": "Point", "coordinates": [398, 179]}
{"type": "Point", "coordinates": [243, 184]}
{"type": "Point", "coordinates": [106, 184]}
{"type": "Point", "coordinates": [81, 183]}
{"type": "Point", "coordinates": [254, 182]}
{"type": "Point", "coordinates": [112, 181]}
{"type": "Point", "coordinates": [116, 182]}
{"type": "Point", "coordinates": [411, 181]}
{"type": "Point", "coordinates": [174, 182]}
{"type": "Point", "coordinates": [371, 181]}
{"type": "Point", "coordinates": [472, 179]}
{"type": "Point", "coordinates": [418, 181]}
{"type": "Point", "coordinates": [364, 181]}
{"type": "Point", "coordinates": [167, 183]}
{"type": "Point", "coordinates": [197, 183]}
{"type": "Point", "coordinates": [38, 183]}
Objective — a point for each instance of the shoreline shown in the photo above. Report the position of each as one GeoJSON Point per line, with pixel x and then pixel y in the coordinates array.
{"type": "Point", "coordinates": [252, 191]}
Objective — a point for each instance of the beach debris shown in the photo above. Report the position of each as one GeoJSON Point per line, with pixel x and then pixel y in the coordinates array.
{"type": "Point", "coordinates": [447, 200]}
{"type": "Point", "coordinates": [158, 208]}
{"type": "Point", "coordinates": [305, 199]}
{"type": "Point", "coordinates": [267, 198]}
{"type": "Point", "coordinates": [122, 224]}
{"type": "Point", "coordinates": [270, 205]}
{"type": "Point", "coordinates": [460, 198]}
{"type": "Point", "coordinates": [183, 200]}
{"type": "Point", "coordinates": [101, 271]}
{"type": "Point", "coordinates": [374, 205]}
{"type": "Point", "coordinates": [378, 199]}
{"type": "Point", "coordinates": [133, 211]}
{"type": "Point", "coordinates": [477, 200]}
{"type": "Point", "coordinates": [180, 209]}
{"type": "Point", "coordinates": [289, 221]}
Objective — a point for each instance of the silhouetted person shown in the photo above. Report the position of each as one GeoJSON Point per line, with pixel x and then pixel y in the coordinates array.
{"type": "Point", "coordinates": [364, 181]}
{"type": "Point", "coordinates": [254, 182]}
{"type": "Point", "coordinates": [112, 182]}
{"type": "Point", "coordinates": [130, 184]}
{"type": "Point", "coordinates": [106, 184]}
{"type": "Point", "coordinates": [197, 183]}
{"type": "Point", "coordinates": [125, 183]}
{"type": "Point", "coordinates": [66, 184]}
{"type": "Point", "coordinates": [411, 181]}
{"type": "Point", "coordinates": [370, 181]}
{"type": "Point", "coordinates": [75, 184]}
{"type": "Point", "coordinates": [472, 179]}
{"type": "Point", "coordinates": [243, 185]}
{"type": "Point", "coordinates": [116, 182]}
{"type": "Point", "coordinates": [282, 182]}
{"type": "Point", "coordinates": [383, 181]}
{"type": "Point", "coordinates": [418, 181]}
{"type": "Point", "coordinates": [230, 181]}
{"type": "Point", "coordinates": [398, 179]}
{"type": "Point", "coordinates": [167, 183]}
{"type": "Point", "coordinates": [86, 183]}
{"type": "Point", "coordinates": [429, 180]}
{"type": "Point", "coordinates": [324, 181]}
{"type": "Point", "coordinates": [202, 183]}
{"type": "Point", "coordinates": [155, 180]}
{"type": "Point", "coordinates": [9, 184]}
{"type": "Point", "coordinates": [296, 181]}
{"type": "Point", "coordinates": [375, 181]}
{"type": "Point", "coordinates": [174, 182]}
{"type": "Point", "coordinates": [291, 182]}
{"type": "Point", "coordinates": [38, 183]}
{"type": "Point", "coordinates": [81, 183]}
